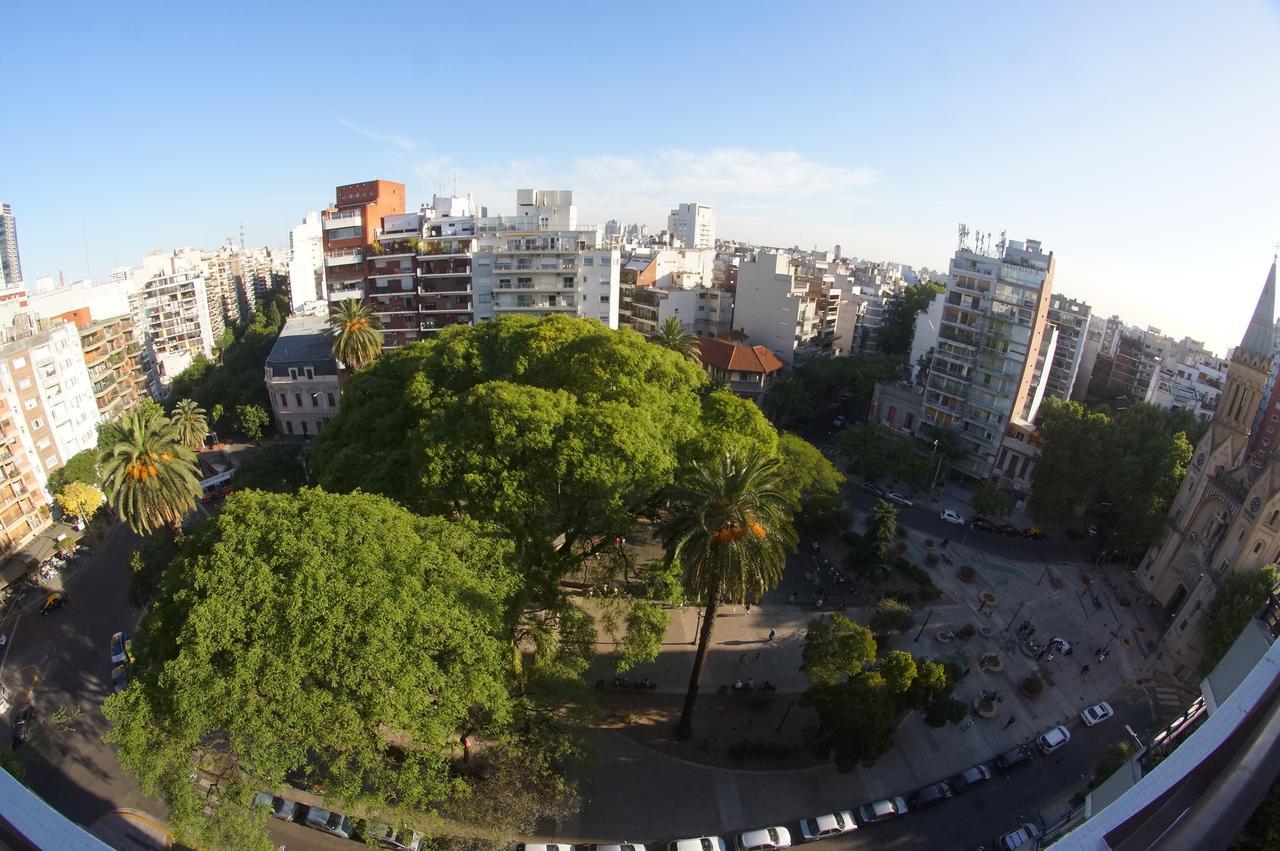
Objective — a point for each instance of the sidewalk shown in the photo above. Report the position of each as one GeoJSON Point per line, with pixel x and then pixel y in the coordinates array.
{"type": "Point", "coordinates": [34, 551]}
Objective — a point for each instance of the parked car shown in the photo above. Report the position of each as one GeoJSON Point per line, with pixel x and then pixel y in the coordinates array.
{"type": "Point", "coordinates": [1093, 530]}
{"type": "Point", "coordinates": [119, 679]}
{"type": "Point", "coordinates": [895, 497]}
{"type": "Point", "coordinates": [117, 648]}
{"type": "Point", "coordinates": [1052, 739]}
{"type": "Point", "coordinates": [53, 602]}
{"type": "Point", "coordinates": [281, 808]}
{"type": "Point", "coordinates": [831, 824]}
{"type": "Point", "coordinates": [970, 777]}
{"type": "Point", "coordinates": [701, 843]}
{"type": "Point", "coordinates": [334, 824]}
{"type": "Point", "coordinates": [982, 524]}
{"type": "Point", "coordinates": [872, 487]}
{"type": "Point", "coordinates": [1075, 534]}
{"type": "Point", "coordinates": [22, 726]}
{"type": "Point", "coordinates": [1098, 712]}
{"type": "Point", "coordinates": [1013, 758]}
{"type": "Point", "coordinates": [616, 846]}
{"type": "Point", "coordinates": [764, 839]}
{"type": "Point", "coordinates": [1024, 836]}
{"type": "Point", "coordinates": [1008, 529]}
{"type": "Point", "coordinates": [1033, 533]}
{"type": "Point", "coordinates": [929, 796]}
{"type": "Point", "coordinates": [540, 846]}
{"type": "Point", "coordinates": [838, 422]}
{"type": "Point", "coordinates": [884, 809]}
{"type": "Point", "coordinates": [951, 517]}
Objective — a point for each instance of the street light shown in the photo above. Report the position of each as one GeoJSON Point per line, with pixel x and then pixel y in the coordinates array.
{"type": "Point", "coordinates": [1135, 736]}
{"type": "Point", "coordinates": [697, 622]}
{"type": "Point", "coordinates": [923, 625]}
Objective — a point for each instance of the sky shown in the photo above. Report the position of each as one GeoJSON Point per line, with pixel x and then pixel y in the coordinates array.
{"type": "Point", "coordinates": [1138, 141]}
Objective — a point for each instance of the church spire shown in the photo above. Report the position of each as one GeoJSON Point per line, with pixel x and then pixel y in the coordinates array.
{"type": "Point", "coordinates": [1258, 340]}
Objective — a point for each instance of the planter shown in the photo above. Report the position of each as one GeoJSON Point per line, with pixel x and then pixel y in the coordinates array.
{"type": "Point", "coordinates": [1032, 686]}
{"type": "Point", "coordinates": [987, 599]}
{"type": "Point", "coordinates": [944, 636]}
{"type": "Point", "coordinates": [967, 573]}
{"type": "Point", "coordinates": [985, 708]}
{"type": "Point", "coordinates": [991, 662]}
{"type": "Point", "coordinates": [985, 631]}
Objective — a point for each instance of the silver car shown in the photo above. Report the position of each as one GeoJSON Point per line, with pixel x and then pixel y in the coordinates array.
{"type": "Point", "coordinates": [334, 824]}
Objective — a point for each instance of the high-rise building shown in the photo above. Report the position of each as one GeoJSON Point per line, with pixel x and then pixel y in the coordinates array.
{"type": "Point", "coordinates": [992, 329]}
{"type": "Point", "coordinates": [47, 385]}
{"type": "Point", "coordinates": [171, 316]}
{"type": "Point", "coordinates": [694, 225]}
{"type": "Point", "coordinates": [665, 282]}
{"type": "Point", "coordinates": [350, 229]}
{"type": "Point", "coordinates": [306, 262]}
{"type": "Point", "coordinates": [111, 355]}
{"type": "Point", "coordinates": [779, 310]}
{"type": "Point", "coordinates": [24, 505]}
{"type": "Point", "coordinates": [1071, 318]}
{"type": "Point", "coordinates": [10, 263]}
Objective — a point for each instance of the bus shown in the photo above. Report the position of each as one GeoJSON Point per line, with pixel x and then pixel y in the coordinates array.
{"type": "Point", "coordinates": [216, 486]}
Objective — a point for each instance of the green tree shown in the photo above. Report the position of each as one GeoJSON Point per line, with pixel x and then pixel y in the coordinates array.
{"type": "Point", "coordinates": [991, 499]}
{"type": "Point", "coordinates": [356, 332]}
{"type": "Point", "coordinates": [325, 639]}
{"type": "Point", "coordinates": [81, 467]}
{"type": "Point", "coordinates": [835, 649]}
{"type": "Point", "coordinates": [890, 617]}
{"type": "Point", "coordinates": [150, 478]}
{"type": "Point", "coordinates": [788, 403]}
{"type": "Point", "coordinates": [898, 669]}
{"type": "Point", "coordinates": [672, 334]}
{"type": "Point", "coordinates": [80, 499]}
{"type": "Point", "coordinates": [1262, 831]}
{"type": "Point", "coordinates": [858, 719]}
{"type": "Point", "coordinates": [1146, 460]}
{"type": "Point", "coordinates": [882, 525]}
{"type": "Point", "coordinates": [930, 693]}
{"type": "Point", "coordinates": [1237, 600]}
{"type": "Point", "coordinates": [896, 331]}
{"type": "Point", "coordinates": [730, 525]}
{"type": "Point", "coordinates": [276, 466]}
{"type": "Point", "coordinates": [1114, 758]}
{"type": "Point", "coordinates": [813, 483]}
{"type": "Point", "coordinates": [1071, 471]}
{"type": "Point", "coordinates": [252, 420]}
{"type": "Point", "coordinates": [189, 419]}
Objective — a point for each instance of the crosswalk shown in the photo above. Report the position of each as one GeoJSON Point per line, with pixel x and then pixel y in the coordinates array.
{"type": "Point", "coordinates": [1168, 701]}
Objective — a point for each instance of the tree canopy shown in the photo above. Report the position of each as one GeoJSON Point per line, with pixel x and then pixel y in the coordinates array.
{"type": "Point", "coordinates": [813, 483]}
{"type": "Point", "coordinates": [81, 467]}
{"type": "Point", "coordinates": [328, 639]}
{"type": "Point", "coordinates": [1238, 598]}
{"type": "Point", "coordinates": [989, 498]}
{"type": "Point", "coordinates": [896, 332]}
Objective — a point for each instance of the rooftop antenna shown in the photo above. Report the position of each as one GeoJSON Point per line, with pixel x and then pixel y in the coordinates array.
{"type": "Point", "coordinates": [242, 236]}
{"type": "Point", "coordinates": [1004, 243]}
{"type": "Point", "coordinates": [964, 236]}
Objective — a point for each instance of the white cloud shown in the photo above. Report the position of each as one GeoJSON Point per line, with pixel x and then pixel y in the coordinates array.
{"type": "Point", "coordinates": [388, 138]}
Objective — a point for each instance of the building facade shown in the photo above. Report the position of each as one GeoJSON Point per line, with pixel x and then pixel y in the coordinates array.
{"type": "Point", "coordinates": [171, 316]}
{"type": "Point", "coordinates": [993, 324]}
{"type": "Point", "coordinates": [694, 225]}
{"type": "Point", "coordinates": [306, 262]}
{"type": "Point", "coordinates": [1071, 318]}
{"type": "Point", "coordinates": [10, 262]}
{"type": "Point", "coordinates": [111, 356]}
{"type": "Point", "coordinates": [776, 309]}
{"type": "Point", "coordinates": [302, 377]}
{"type": "Point", "coordinates": [749, 371]}
{"type": "Point", "coordinates": [1226, 515]}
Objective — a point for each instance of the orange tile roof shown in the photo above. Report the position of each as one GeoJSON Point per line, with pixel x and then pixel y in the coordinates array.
{"type": "Point", "coordinates": [727, 356]}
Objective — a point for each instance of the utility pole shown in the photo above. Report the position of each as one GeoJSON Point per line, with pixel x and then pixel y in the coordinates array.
{"type": "Point", "coordinates": [923, 625]}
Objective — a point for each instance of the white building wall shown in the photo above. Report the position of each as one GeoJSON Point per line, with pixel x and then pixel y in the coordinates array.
{"type": "Point", "coordinates": [103, 301]}
{"type": "Point", "coordinates": [925, 337]}
{"type": "Point", "coordinates": [768, 307]}
{"type": "Point", "coordinates": [694, 225]}
{"type": "Point", "coordinates": [306, 263]}
{"type": "Point", "coordinates": [66, 391]}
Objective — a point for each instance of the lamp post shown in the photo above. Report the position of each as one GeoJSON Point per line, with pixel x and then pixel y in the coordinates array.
{"type": "Point", "coordinates": [923, 625]}
{"type": "Point", "coordinates": [697, 622]}
{"type": "Point", "coordinates": [1015, 616]}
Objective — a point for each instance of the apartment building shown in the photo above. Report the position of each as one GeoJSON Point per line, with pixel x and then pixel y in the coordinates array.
{"type": "Point", "coordinates": [111, 356]}
{"type": "Point", "coordinates": [171, 316]}
{"type": "Point", "coordinates": [655, 284]}
{"type": "Point", "coordinates": [1195, 387]}
{"type": "Point", "coordinates": [350, 228]}
{"type": "Point", "coordinates": [993, 323]}
{"type": "Point", "coordinates": [24, 505]}
{"type": "Point", "coordinates": [306, 262]}
{"type": "Point", "coordinates": [47, 387]}
{"type": "Point", "coordinates": [693, 226]}
{"type": "Point", "coordinates": [302, 377]}
{"type": "Point", "coordinates": [1071, 319]}
{"type": "Point", "coordinates": [1126, 367]}
{"type": "Point", "coordinates": [777, 310]}
{"type": "Point", "coordinates": [10, 262]}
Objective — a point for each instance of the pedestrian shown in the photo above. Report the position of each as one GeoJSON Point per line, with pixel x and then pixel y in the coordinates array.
{"type": "Point", "coordinates": [748, 607]}
{"type": "Point", "coordinates": [1084, 670]}
{"type": "Point", "coordinates": [742, 661]}
{"type": "Point", "coordinates": [1008, 723]}
{"type": "Point", "coordinates": [772, 634]}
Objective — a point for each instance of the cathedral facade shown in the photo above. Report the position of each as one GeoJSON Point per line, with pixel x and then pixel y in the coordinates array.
{"type": "Point", "coordinates": [1226, 515]}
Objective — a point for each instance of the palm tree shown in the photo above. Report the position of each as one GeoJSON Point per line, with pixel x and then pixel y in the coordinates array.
{"type": "Point", "coordinates": [149, 476]}
{"type": "Point", "coordinates": [357, 338]}
{"type": "Point", "coordinates": [731, 527]}
{"type": "Point", "coordinates": [674, 336]}
{"type": "Point", "coordinates": [189, 419]}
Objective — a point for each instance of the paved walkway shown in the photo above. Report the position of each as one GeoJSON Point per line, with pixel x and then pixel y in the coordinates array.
{"type": "Point", "coordinates": [695, 799]}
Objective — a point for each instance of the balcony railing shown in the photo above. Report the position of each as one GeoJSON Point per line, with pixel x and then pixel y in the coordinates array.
{"type": "Point", "coordinates": [343, 256]}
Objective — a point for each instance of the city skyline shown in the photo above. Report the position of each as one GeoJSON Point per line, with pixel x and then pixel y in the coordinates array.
{"type": "Point", "coordinates": [1059, 129]}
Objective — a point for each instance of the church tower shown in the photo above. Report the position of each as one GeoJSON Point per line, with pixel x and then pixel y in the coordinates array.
{"type": "Point", "coordinates": [1226, 514]}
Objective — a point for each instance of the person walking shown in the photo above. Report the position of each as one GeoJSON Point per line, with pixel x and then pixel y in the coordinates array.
{"type": "Point", "coordinates": [742, 661]}
{"type": "Point", "coordinates": [1084, 670]}
{"type": "Point", "coordinates": [772, 634]}
{"type": "Point", "coordinates": [1009, 723]}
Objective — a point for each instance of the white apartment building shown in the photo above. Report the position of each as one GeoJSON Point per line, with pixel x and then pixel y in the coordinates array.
{"type": "Point", "coordinates": [47, 385]}
{"type": "Point", "coordinates": [1194, 387]}
{"type": "Point", "coordinates": [776, 310]}
{"type": "Point", "coordinates": [694, 225]}
{"type": "Point", "coordinates": [306, 262]}
{"type": "Point", "coordinates": [171, 317]}
{"type": "Point", "coordinates": [1071, 318]}
{"type": "Point", "coordinates": [992, 329]}
{"type": "Point", "coordinates": [662, 282]}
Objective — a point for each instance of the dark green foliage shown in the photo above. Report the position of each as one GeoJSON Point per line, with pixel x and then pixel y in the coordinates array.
{"type": "Point", "coordinates": [1113, 758]}
{"type": "Point", "coordinates": [894, 335]}
{"type": "Point", "coordinates": [276, 467]}
{"type": "Point", "coordinates": [891, 617]}
{"type": "Point", "coordinates": [1262, 831]}
{"type": "Point", "coordinates": [881, 527]}
{"type": "Point", "coordinates": [81, 467]}
{"type": "Point", "coordinates": [874, 451]}
{"type": "Point", "coordinates": [813, 483]}
{"type": "Point", "coordinates": [1238, 598]}
{"type": "Point", "coordinates": [148, 565]}
{"type": "Point", "coordinates": [808, 390]}
{"type": "Point", "coordinates": [835, 649]}
{"type": "Point", "coordinates": [990, 499]}
{"type": "Point", "coordinates": [252, 420]}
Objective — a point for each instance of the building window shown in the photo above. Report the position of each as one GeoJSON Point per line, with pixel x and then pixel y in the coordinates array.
{"type": "Point", "coordinates": [293, 374]}
{"type": "Point", "coordinates": [604, 299]}
{"type": "Point", "coordinates": [43, 444]}
{"type": "Point", "coordinates": [24, 384]}
{"type": "Point", "coordinates": [29, 404]}
{"type": "Point", "coordinates": [37, 423]}
{"type": "Point", "coordinates": [332, 402]}
{"type": "Point", "coordinates": [315, 400]}
{"type": "Point", "coordinates": [588, 261]}
{"type": "Point", "coordinates": [1257, 547]}
{"type": "Point", "coordinates": [288, 426]}
{"type": "Point", "coordinates": [284, 400]}
{"type": "Point", "coordinates": [297, 397]}
{"type": "Point", "coordinates": [319, 426]}
{"type": "Point", "coordinates": [311, 373]}
{"type": "Point", "coordinates": [304, 427]}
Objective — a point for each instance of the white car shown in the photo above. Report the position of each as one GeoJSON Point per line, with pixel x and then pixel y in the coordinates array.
{"type": "Point", "coordinates": [764, 839]}
{"type": "Point", "coordinates": [1026, 835]}
{"type": "Point", "coordinates": [883, 810]}
{"type": "Point", "coordinates": [951, 517]}
{"type": "Point", "coordinates": [1097, 712]}
{"type": "Point", "coordinates": [894, 496]}
{"type": "Point", "coordinates": [617, 846]}
{"type": "Point", "coordinates": [702, 843]}
{"type": "Point", "coordinates": [117, 648]}
{"type": "Point", "coordinates": [1052, 739]}
{"type": "Point", "coordinates": [539, 846]}
{"type": "Point", "coordinates": [334, 824]}
{"type": "Point", "coordinates": [832, 824]}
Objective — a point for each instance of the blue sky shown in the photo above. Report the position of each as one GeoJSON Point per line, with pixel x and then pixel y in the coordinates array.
{"type": "Point", "coordinates": [1138, 141]}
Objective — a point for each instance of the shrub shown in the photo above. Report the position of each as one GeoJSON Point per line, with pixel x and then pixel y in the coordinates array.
{"type": "Point", "coordinates": [930, 592]}
{"type": "Point", "coordinates": [891, 616]}
{"type": "Point", "coordinates": [966, 632]}
{"type": "Point", "coordinates": [931, 558]}
{"type": "Point", "coordinates": [967, 573]}
{"type": "Point", "coordinates": [852, 538]}
{"type": "Point", "coordinates": [901, 532]}
{"type": "Point", "coordinates": [1114, 758]}
{"type": "Point", "coordinates": [1033, 684]}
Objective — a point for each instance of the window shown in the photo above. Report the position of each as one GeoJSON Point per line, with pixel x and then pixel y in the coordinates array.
{"type": "Point", "coordinates": [311, 373]}
{"type": "Point", "coordinates": [315, 400]}
{"type": "Point", "coordinates": [588, 261]}
{"type": "Point", "coordinates": [24, 384]}
{"type": "Point", "coordinates": [293, 374]}
{"type": "Point", "coordinates": [284, 400]}
{"type": "Point", "coordinates": [344, 233]}
{"type": "Point", "coordinates": [304, 427]}
{"type": "Point", "coordinates": [50, 462]}
{"type": "Point", "coordinates": [44, 444]}
{"type": "Point", "coordinates": [297, 397]}
{"type": "Point", "coordinates": [29, 404]}
{"type": "Point", "coordinates": [288, 426]}
{"type": "Point", "coordinates": [19, 363]}
{"type": "Point", "coordinates": [333, 403]}
{"type": "Point", "coordinates": [37, 423]}
{"type": "Point", "coordinates": [604, 299]}
{"type": "Point", "coordinates": [319, 426]}
{"type": "Point", "coordinates": [1257, 547]}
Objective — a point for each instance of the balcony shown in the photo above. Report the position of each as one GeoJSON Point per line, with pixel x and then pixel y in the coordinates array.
{"type": "Point", "coordinates": [342, 219]}
{"type": "Point", "coordinates": [344, 256]}
{"type": "Point", "coordinates": [445, 288]}
{"type": "Point", "coordinates": [460, 306]}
